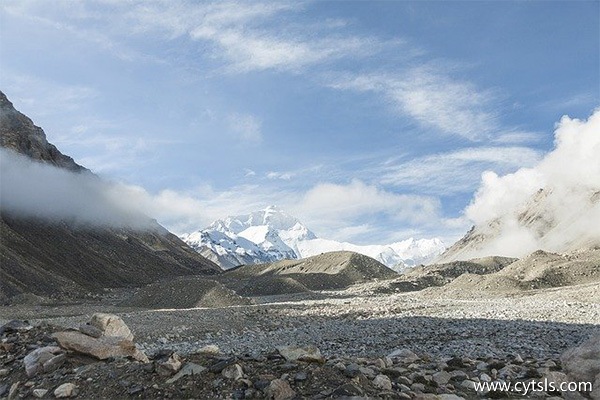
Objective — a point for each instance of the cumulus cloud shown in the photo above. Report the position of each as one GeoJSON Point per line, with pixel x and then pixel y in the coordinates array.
{"type": "Point", "coordinates": [554, 205]}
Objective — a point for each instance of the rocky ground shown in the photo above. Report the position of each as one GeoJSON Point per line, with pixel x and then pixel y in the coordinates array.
{"type": "Point", "coordinates": [443, 344]}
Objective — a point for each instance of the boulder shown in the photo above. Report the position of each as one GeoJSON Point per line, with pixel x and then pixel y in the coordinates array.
{"type": "Point", "coordinates": [582, 363]}
{"type": "Point", "coordinates": [44, 359]}
{"type": "Point", "coordinates": [306, 353]}
{"type": "Point", "coordinates": [382, 382]}
{"type": "Point", "coordinates": [101, 348]}
{"type": "Point", "coordinates": [279, 389]}
{"type": "Point", "coordinates": [111, 325]}
{"type": "Point", "coordinates": [404, 356]}
{"type": "Point", "coordinates": [170, 366]}
{"type": "Point", "coordinates": [188, 369]}
{"type": "Point", "coordinates": [234, 372]}
{"type": "Point", "coordinates": [65, 390]}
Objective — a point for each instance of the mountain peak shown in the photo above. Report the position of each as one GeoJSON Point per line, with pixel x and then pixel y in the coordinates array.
{"type": "Point", "coordinates": [19, 134]}
{"type": "Point", "coordinates": [279, 235]}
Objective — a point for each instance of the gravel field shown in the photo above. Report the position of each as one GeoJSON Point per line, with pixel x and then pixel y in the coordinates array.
{"type": "Point", "coordinates": [358, 322]}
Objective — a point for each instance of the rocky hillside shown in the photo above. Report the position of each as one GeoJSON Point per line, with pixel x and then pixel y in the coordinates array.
{"type": "Point", "coordinates": [18, 133]}
{"type": "Point", "coordinates": [539, 223]}
{"type": "Point", "coordinates": [58, 259]}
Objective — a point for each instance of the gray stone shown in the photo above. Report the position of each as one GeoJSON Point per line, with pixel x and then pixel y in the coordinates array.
{"type": "Point", "coordinates": [403, 355]}
{"type": "Point", "coordinates": [441, 377]}
{"type": "Point", "coordinates": [582, 363]}
{"type": "Point", "coordinates": [12, 392]}
{"type": "Point", "coordinates": [348, 389]}
{"type": "Point", "coordinates": [90, 330]}
{"type": "Point", "coordinates": [485, 378]}
{"type": "Point", "coordinates": [209, 349]}
{"type": "Point", "coordinates": [352, 370]}
{"type": "Point", "coordinates": [188, 369]}
{"type": "Point", "coordinates": [170, 366]}
{"type": "Point", "coordinates": [50, 355]}
{"type": "Point", "coordinates": [468, 384]}
{"type": "Point", "coordinates": [300, 376]}
{"type": "Point", "coordinates": [368, 372]}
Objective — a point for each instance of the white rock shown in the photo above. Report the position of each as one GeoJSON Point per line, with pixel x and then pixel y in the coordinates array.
{"type": "Point", "coordinates": [485, 378]}
{"type": "Point", "coordinates": [404, 355]}
{"type": "Point", "coordinates": [39, 393]}
{"type": "Point", "coordinates": [111, 325]}
{"type": "Point", "coordinates": [306, 353]}
{"type": "Point", "coordinates": [65, 390]}
{"type": "Point", "coordinates": [382, 382]}
{"type": "Point", "coordinates": [279, 390]}
{"type": "Point", "coordinates": [209, 349]}
{"type": "Point", "coordinates": [234, 372]}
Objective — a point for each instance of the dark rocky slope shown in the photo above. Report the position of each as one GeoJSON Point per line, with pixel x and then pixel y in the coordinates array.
{"type": "Point", "coordinates": [58, 259]}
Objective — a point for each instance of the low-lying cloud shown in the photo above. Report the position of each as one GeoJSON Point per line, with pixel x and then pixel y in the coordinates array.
{"type": "Point", "coordinates": [33, 189]}
{"type": "Point", "coordinates": [554, 205]}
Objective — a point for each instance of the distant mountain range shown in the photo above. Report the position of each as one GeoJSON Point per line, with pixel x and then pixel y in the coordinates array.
{"type": "Point", "coordinates": [271, 234]}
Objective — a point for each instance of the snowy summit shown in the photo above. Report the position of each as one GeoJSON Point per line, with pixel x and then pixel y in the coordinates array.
{"type": "Point", "coordinates": [271, 234]}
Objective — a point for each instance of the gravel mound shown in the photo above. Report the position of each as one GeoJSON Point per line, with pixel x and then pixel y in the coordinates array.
{"type": "Point", "coordinates": [272, 285]}
{"type": "Point", "coordinates": [184, 292]}
{"type": "Point", "coordinates": [539, 270]}
{"type": "Point", "coordinates": [424, 276]}
{"type": "Point", "coordinates": [328, 271]}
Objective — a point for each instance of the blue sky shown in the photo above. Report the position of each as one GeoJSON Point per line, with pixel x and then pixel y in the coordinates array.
{"type": "Point", "coordinates": [370, 121]}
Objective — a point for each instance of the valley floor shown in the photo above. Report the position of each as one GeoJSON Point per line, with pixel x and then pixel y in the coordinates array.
{"type": "Point", "coordinates": [365, 321]}
{"type": "Point", "coordinates": [359, 322]}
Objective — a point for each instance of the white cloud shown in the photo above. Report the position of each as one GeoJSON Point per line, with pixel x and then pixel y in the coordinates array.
{"type": "Point", "coordinates": [241, 37]}
{"type": "Point", "coordinates": [34, 189]}
{"type": "Point", "coordinates": [432, 98]}
{"type": "Point", "coordinates": [286, 176]}
{"type": "Point", "coordinates": [246, 127]}
{"type": "Point", "coordinates": [570, 177]}
{"type": "Point", "coordinates": [336, 211]}
{"type": "Point", "coordinates": [457, 171]}
{"type": "Point", "coordinates": [335, 201]}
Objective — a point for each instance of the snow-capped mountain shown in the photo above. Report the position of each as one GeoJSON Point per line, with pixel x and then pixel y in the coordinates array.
{"type": "Point", "coordinates": [271, 234]}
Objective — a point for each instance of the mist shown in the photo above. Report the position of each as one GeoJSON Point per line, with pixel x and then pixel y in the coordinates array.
{"type": "Point", "coordinates": [33, 189]}
{"type": "Point", "coordinates": [553, 206]}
